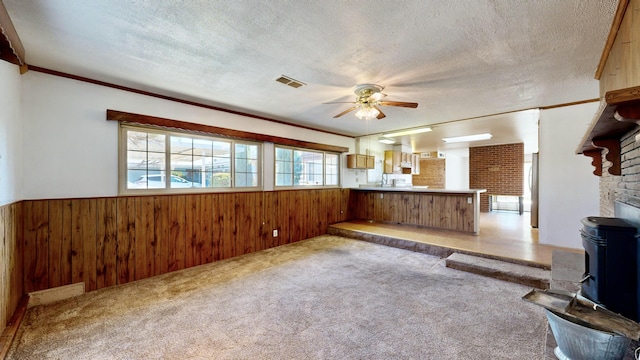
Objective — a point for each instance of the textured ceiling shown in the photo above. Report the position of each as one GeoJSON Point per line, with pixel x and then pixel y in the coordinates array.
{"type": "Point", "coordinates": [457, 59]}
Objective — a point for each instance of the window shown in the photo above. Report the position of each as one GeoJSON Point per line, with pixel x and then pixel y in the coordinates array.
{"type": "Point", "coordinates": [164, 160]}
{"type": "Point", "coordinates": [297, 167]}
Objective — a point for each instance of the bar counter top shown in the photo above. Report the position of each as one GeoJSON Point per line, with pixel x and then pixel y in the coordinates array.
{"type": "Point", "coordinates": [419, 189]}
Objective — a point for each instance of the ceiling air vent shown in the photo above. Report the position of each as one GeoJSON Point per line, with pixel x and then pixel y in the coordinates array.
{"type": "Point", "coordinates": [289, 81]}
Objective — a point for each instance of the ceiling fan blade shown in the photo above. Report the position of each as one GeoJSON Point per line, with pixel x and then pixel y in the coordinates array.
{"type": "Point", "coordinates": [340, 102]}
{"type": "Point", "coordinates": [346, 111]}
{"type": "Point", "coordinates": [398, 103]}
{"type": "Point", "coordinates": [381, 115]}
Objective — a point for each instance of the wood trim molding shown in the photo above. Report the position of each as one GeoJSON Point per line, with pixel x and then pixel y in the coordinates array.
{"type": "Point", "coordinates": [238, 134]}
{"type": "Point", "coordinates": [613, 32]}
{"type": "Point", "coordinates": [9, 333]}
{"type": "Point", "coordinates": [622, 96]}
{"type": "Point", "coordinates": [11, 48]}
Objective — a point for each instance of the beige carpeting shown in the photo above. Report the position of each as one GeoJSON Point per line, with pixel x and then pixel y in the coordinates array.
{"type": "Point", "coordinates": [322, 298]}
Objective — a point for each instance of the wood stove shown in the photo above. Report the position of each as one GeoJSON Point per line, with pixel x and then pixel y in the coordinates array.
{"type": "Point", "coordinates": [611, 265]}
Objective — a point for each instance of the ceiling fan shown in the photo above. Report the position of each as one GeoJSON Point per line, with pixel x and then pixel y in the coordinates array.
{"type": "Point", "coordinates": [368, 99]}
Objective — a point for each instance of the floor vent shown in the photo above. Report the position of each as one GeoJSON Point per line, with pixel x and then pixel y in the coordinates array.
{"type": "Point", "coordinates": [289, 81]}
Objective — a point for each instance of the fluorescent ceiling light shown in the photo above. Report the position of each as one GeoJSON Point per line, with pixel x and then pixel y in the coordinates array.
{"type": "Point", "coordinates": [386, 141]}
{"type": "Point", "coordinates": [468, 138]}
{"type": "Point", "coordinates": [408, 132]}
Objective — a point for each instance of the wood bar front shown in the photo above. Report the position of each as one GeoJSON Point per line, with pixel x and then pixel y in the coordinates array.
{"type": "Point", "coordinates": [442, 209]}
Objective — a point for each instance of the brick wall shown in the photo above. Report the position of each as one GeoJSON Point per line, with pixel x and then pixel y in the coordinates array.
{"type": "Point", "coordinates": [499, 169]}
{"type": "Point", "coordinates": [624, 188]}
{"type": "Point", "coordinates": [432, 174]}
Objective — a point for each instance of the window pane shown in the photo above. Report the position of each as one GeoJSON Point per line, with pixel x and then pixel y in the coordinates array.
{"type": "Point", "coordinates": [202, 147]}
{"type": "Point", "coordinates": [331, 169]}
{"type": "Point", "coordinates": [153, 180]}
{"type": "Point", "coordinates": [284, 167]}
{"type": "Point", "coordinates": [178, 181]}
{"type": "Point", "coordinates": [220, 180]}
{"type": "Point", "coordinates": [137, 140]}
{"type": "Point", "coordinates": [308, 168]}
{"type": "Point", "coordinates": [246, 165]}
{"type": "Point", "coordinates": [181, 145]}
{"type": "Point", "coordinates": [156, 142]}
{"type": "Point", "coordinates": [137, 160]}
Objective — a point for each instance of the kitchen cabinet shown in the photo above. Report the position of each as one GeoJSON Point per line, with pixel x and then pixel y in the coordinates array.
{"type": "Point", "coordinates": [414, 165]}
{"type": "Point", "coordinates": [396, 162]}
{"type": "Point", "coordinates": [392, 161]}
{"type": "Point", "coordinates": [360, 161]}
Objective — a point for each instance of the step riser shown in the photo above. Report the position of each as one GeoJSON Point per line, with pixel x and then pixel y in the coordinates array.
{"type": "Point", "coordinates": [517, 279]}
{"type": "Point", "coordinates": [453, 255]}
{"type": "Point", "coordinates": [393, 242]}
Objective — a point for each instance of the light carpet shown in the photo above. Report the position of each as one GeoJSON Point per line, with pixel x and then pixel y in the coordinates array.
{"type": "Point", "coordinates": [322, 298]}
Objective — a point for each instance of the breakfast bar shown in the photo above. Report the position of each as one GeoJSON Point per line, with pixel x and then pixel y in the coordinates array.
{"type": "Point", "coordinates": [435, 208]}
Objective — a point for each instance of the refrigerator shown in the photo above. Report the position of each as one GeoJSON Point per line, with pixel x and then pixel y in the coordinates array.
{"type": "Point", "coordinates": [533, 186]}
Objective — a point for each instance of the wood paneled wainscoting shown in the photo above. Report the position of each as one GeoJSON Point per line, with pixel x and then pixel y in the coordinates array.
{"type": "Point", "coordinates": [437, 208]}
{"type": "Point", "coordinates": [109, 241]}
{"type": "Point", "coordinates": [11, 289]}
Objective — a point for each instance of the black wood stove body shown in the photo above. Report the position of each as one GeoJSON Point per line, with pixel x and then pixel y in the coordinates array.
{"type": "Point", "coordinates": [612, 257]}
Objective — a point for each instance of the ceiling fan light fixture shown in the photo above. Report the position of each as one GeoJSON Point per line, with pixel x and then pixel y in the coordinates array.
{"type": "Point", "coordinates": [385, 140]}
{"type": "Point", "coordinates": [367, 113]}
{"type": "Point", "coordinates": [467, 138]}
{"type": "Point", "coordinates": [409, 132]}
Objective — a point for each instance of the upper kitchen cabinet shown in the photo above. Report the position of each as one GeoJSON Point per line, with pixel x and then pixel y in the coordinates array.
{"type": "Point", "coordinates": [397, 162]}
{"type": "Point", "coordinates": [392, 160]}
{"type": "Point", "coordinates": [359, 161]}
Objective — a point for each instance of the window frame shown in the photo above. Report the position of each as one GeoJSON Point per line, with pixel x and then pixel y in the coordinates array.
{"type": "Point", "coordinates": [324, 169]}
{"type": "Point", "coordinates": [168, 133]}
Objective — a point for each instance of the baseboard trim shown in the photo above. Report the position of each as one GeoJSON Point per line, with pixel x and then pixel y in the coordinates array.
{"type": "Point", "coordinates": [9, 333]}
{"type": "Point", "coordinates": [55, 294]}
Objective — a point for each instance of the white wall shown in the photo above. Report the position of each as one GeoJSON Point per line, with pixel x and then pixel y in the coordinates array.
{"type": "Point", "coordinates": [72, 151]}
{"type": "Point", "coordinates": [11, 159]}
{"type": "Point", "coordinates": [457, 169]}
{"type": "Point", "coordinates": [568, 189]}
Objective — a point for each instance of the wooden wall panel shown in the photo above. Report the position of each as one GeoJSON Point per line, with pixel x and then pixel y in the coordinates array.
{"type": "Point", "coordinates": [622, 69]}
{"type": "Point", "coordinates": [11, 260]}
{"type": "Point", "coordinates": [269, 212]}
{"type": "Point", "coordinates": [36, 255]}
{"type": "Point", "coordinates": [106, 238]}
{"type": "Point", "coordinates": [108, 241]}
{"type": "Point", "coordinates": [177, 243]}
{"type": "Point", "coordinates": [447, 211]}
{"type": "Point", "coordinates": [55, 243]}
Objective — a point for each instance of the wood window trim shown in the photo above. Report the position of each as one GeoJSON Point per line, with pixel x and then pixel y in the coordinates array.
{"type": "Point", "coordinates": [115, 115]}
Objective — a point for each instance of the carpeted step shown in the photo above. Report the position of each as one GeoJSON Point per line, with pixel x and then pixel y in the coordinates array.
{"type": "Point", "coordinates": [519, 274]}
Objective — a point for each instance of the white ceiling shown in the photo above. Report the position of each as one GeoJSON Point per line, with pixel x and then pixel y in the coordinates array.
{"type": "Point", "coordinates": [457, 59]}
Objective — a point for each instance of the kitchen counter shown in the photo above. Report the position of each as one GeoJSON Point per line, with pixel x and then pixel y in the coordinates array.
{"type": "Point", "coordinates": [455, 209]}
{"type": "Point", "coordinates": [419, 189]}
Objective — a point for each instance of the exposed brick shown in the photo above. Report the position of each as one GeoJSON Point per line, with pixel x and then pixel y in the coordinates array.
{"type": "Point", "coordinates": [432, 174]}
{"type": "Point", "coordinates": [499, 169]}
{"type": "Point", "coordinates": [625, 188]}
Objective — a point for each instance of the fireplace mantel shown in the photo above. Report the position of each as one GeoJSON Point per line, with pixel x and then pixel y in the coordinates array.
{"type": "Point", "coordinates": [618, 114]}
